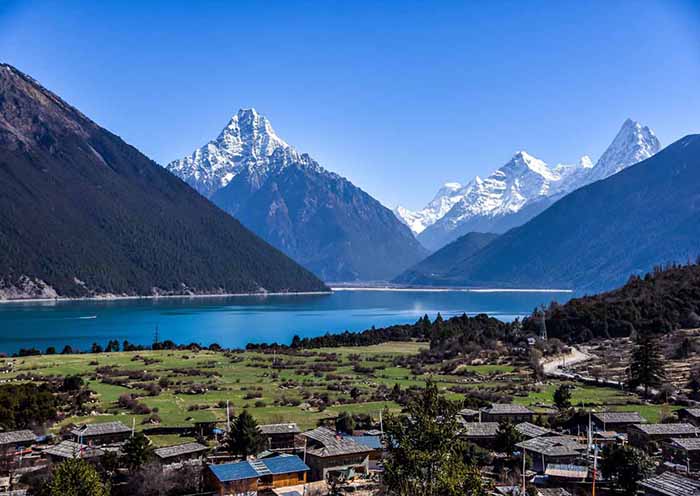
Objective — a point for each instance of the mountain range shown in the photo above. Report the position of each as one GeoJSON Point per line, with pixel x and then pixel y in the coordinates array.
{"type": "Point", "coordinates": [595, 237]}
{"type": "Point", "coordinates": [519, 190]}
{"type": "Point", "coordinates": [84, 214]}
{"type": "Point", "coordinates": [315, 216]}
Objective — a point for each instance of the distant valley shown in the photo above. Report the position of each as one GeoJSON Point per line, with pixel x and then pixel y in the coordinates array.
{"type": "Point", "coordinates": [593, 238]}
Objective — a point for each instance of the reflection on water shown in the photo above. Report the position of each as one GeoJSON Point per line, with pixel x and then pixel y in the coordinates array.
{"type": "Point", "coordinates": [235, 321]}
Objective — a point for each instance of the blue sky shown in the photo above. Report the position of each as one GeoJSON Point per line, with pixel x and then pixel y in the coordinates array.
{"type": "Point", "coordinates": [397, 96]}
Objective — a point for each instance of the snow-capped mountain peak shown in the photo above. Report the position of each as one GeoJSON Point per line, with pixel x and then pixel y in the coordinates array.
{"type": "Point", "coordinates": [248, 140]}
{"type": "Point", "coordinates": [526, 180]}
{"type": "Point", "coordinates": [632, 144]}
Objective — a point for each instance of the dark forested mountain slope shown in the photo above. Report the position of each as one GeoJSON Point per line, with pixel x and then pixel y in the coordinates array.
{"type": "Point", "coordinates": [318, 218]}
{"type": "Point", "coordinates": [321, 220]}
{"type": "Point", "coordinates": [661, 301]}
{"type": "Point", "coordinates": [442, 261]}
{"type": "Point", "coordinates": [82, 213]}
{"type": "Point", "coordinates": [597, 236]}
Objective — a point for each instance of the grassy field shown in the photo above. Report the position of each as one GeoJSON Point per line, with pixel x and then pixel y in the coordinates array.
{"type": "Point", "coordinates": [301, 389]}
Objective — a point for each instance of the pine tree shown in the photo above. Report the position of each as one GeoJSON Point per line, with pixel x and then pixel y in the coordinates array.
{"type": "Point", "coordinates": [245, 438]}
{"type": "Point", "coordinates": [137, 451]}
{"type": "Point", "coordinates": [425, 454]}
{"type": "Point", "coordinates": [646, 363]}
{"type": "Point", "coordinates": [562, 397]}
{"type": "Point", "coordinates": [507, 437]}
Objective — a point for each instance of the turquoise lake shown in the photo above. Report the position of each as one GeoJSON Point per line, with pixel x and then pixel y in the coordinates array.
{"type": "Point", "coordinates": [237, 320]}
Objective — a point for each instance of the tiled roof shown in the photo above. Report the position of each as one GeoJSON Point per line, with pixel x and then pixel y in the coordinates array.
{"type": "Point", "coordinates": [553, 446]}
{"type": "Point", "coordinates": [179, 450]}
{"type": "Point", "coordinates": [693, 412]}
{"type": "Point", "coordinates": [17, 437]}
{"type": "Point", "coordinates": [530, 430]}
{"type": "Point", "coordinates": [102, 429]}
{"type": "Point", "coordinates": [619, 417]}
{"type": "Point", "coordinates": [667, 429]}
{"type": "Point", "coordinates": [282, 464]}
{"type": "Point", "coordinates": [552, 491]}
{"type": "Point", "coordinates": [687, 443]}
{"type": "Point", "coordinates": [70, 449]}
{"type": "Point", "coordinates": [332, 444]}
{"type": "Point", "coordinates": [566, 471]}
{"type": "Point", "coordinates": [290, 428]}
{"type": "Point", "coordinates": [506, 409]}
{"type": "Point", "coordinates": [479, 429]}
{"type": "Point", "coordinates": [671, 484]}
{"type": "Point", "coordinates": [468, 412]}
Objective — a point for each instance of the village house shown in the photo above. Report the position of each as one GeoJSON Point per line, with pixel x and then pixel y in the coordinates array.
{"type": "Point", "coordinates": [483, 434]}
{"type": "Point", "coordinates": [669, 484]}
{"type": "Point", "coordinates": [552, 491]}
{"type": "Point", "coordinates": [530, 431]}
{"type": "Point", "coordinates": [279, 437]}
{"type": "Point", "coordinates": [250, 476]}
{"type": "Point", "coordinates": [650, 436]}
{"type": "Point", "coordinates": [102, 433]}
{"type": "Point", "coordinates": [561, 450]}
{"type": "Point", "coordinates": [181, 453]}
{"type": "Point", "coordinates": [469, 415]}
{"type": "Point", "coordinates": [506, 412]}
{"type": "Point", "coordinates": [16, 442]}
{"type": "Point", "coordinates": [616, 421]}
{"type": "Point", "coordinates": [565, 474]}
{"type": "Point", "coordinates": [683, 451]}
{"type": "Point", "coordinates": [328, 453]}
{"type": "Point", "coordinates": [689, 415]}
{"type": "Point", "coordinates": [371, 441]}
{"type": "Point", "coordinates": [67, 450]}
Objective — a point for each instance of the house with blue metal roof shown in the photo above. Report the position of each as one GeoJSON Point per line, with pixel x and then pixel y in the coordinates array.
{"type": "Point", "coordinates": [250, 476]}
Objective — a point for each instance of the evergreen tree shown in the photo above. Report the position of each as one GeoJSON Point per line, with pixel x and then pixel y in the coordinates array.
{"type": "Point", "coordinates": [345, 423]}
{"type": "Point", "coordinates": [646, 363]}
{"type": "Point", "coordinates": [624, 466]}
{"type": "Point", "coordinates": [425, 455]}
{"type": "Point", "coordinates": [507, 437]}
{"type": "Point", "coordinates": [562, 397]}
{"type": "Point", "coordinates": [77, 478]}
{"type": "Point", "coordinates": [137, 451]}
{"type": "Point", "coordinates": [245, 438]}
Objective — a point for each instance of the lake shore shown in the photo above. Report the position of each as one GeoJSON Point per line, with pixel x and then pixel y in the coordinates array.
{"type": "Point", "coordinates": [160, 297]}
{"type": "Point", "coordinates": [448, 290]}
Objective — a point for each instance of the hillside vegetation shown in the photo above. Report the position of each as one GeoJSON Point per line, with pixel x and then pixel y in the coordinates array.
{"type": "Point", "coordinates": [661, 301]}
{"type": "Point", "coordinates": [84, 214]}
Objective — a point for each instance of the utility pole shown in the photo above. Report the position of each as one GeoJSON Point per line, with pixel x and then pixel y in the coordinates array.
{"type": "Point", "coordinates": [228, 417]}
{"type": "Point", "coordinates": [543, 325]}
